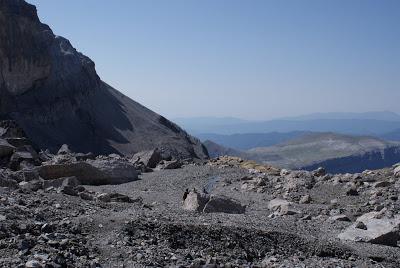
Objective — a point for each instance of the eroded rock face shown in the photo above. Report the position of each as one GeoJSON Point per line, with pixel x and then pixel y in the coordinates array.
{"type": "Point", "coordinates": [54, 93]}
{"type": "Point", "coordinates": [23, 63]}
{"type": "Point", "coordinates": [92, 172]}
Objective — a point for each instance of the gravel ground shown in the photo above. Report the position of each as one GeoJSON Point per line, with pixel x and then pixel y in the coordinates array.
{"type": "Point", "coordinates": [155, 230]}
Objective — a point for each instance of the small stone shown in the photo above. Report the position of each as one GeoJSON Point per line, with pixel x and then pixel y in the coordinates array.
{"type": "Point", "coordinates": [86, 196]}
{"type": "Point", "coordinates": [306, 199]}
{"type": "Point", "coordinates": [139, 256]}
{"type": "Point", "coordinates": [361, 225]}
{"type": "Point", "coordinates": [319, 172]}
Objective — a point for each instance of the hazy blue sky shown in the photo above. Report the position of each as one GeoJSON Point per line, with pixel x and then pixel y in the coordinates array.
{"type": "Point", "coordinates": [250, 59]}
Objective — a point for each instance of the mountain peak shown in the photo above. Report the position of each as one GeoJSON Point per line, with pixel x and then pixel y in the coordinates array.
{"type": "Point", "coordinates": [54, 93]}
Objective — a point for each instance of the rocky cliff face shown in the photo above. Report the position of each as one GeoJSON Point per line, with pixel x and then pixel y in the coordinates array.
{"type": "Point", "coordinates": [56, 96]}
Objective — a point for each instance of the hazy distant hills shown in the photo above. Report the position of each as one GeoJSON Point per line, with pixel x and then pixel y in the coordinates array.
{"type": "Point", "coordinates": [381, 115]}
{"type": "Point", "coordinates": [248, 141]}
{"type": "Point", "coordinates": [315, 148]}
{"type": "Point", "coordinates": [215, 150]}
{"type": "Point", "coordinates": [338, 153]}
{"type": "Point", "coordinates": [369, 123]}
{"type": "Point", "coordinates": [392, 136]}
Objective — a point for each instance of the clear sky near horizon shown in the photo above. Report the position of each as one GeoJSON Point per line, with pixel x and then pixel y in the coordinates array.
{"type": "Point", "coordinates": [257, 59]}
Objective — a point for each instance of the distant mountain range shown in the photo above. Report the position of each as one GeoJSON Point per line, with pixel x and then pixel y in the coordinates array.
{"type": "Point", "coordinates": [338, 153]}
{"type": "Point", "coordinates": [248, 141]}
{"type": "Point", "coordinates": [369, 123]}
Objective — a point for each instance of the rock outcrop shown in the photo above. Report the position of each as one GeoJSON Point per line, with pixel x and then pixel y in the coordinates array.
{"type": "Point", "coordinates": [102, 170]}
{"type": "Point", "coordinates": [54, 93]}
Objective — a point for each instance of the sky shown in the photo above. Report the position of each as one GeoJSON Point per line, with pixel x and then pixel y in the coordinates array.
{"type": "Point", "coordinates": [255, 59]}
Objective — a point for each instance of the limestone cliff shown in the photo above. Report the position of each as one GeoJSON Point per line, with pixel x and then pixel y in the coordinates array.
{"type": "Point", "coordinates": [56, 96]}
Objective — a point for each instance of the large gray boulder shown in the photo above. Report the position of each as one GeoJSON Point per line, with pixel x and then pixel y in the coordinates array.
{"type": "Point", "coordinates": [92, 172]}
{"type": "Point", "coordinates": [149, 159]}
{"type": "Point", "coordinates": [195, 201]}
{"type": "Point", "coordinates": [281, 207]}
{"type": "Point", "coordinates": [205, 203]}
{"type": "Point", "coordinates": [6, 149]}
{"type": "Point", "coordinates": [375, 229]}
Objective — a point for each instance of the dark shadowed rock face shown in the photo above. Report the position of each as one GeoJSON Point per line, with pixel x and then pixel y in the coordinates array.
{"type": "Point", "coordinates": [56, 96]}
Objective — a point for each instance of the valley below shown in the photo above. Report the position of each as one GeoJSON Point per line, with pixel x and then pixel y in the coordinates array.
{"type": "Point", "coordinates": [337, 153]}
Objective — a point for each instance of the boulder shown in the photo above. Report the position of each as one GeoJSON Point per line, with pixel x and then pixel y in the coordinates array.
{"type": "Point", "coordinates": [86, 196]}
{"type": "Point", "coordinates": [281, 207]}
{"type": "Point", "coordinates": [199, 202]}
{"type": "Point", "coordinates": [277, 204]}
{"type": "Point", "coordinates": [92, 172]}
{"type": "Point", "coordinates": [306, 199]}
{"type": "Point", "coordinates": [397, 172]}
{"type": "Point", "coordinates": [6, 149]}
{"type": "Point", "coordinates": [64, 149]}
{"type": "Point", "coordinates": [384, 231]}
{"type": "Point", "coordinates": [222, 204]}
{"type": "Point", "coordinates": [173, 164]}
{"type": "Point", "coordinates": [149, 159]}
{"type": "Point", "coordinates": [195, 201]}
{"type": "Point", "coordinates": [319, 172]}
{"type": "Point", "coordinates": [33, 186]}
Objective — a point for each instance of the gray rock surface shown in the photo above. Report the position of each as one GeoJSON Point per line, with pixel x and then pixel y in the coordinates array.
{"type": "Point", "coordinates": [397, 172]}
{"type": "Point", "coordinates": [149, 159]}
{"type": "Point", "coordinates": [92, 172]}
{"type": "Point", "coordinates": [383, 231]}
{"type": "Point", "coordinates": [6, 149]}
{"type": "Point", "coordinates": [205, 203]}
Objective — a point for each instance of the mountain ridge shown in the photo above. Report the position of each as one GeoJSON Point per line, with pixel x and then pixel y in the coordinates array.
{"type": "Point", "coordinates": [54, 93]}
{"type": "Point", "coordinates": [369, 123]}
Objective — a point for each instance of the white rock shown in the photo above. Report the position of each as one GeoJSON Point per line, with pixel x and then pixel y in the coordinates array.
{"type": "Point", "coordinates": [397, 172]}
{"type": "Point", "coordinates": [383, 231]}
